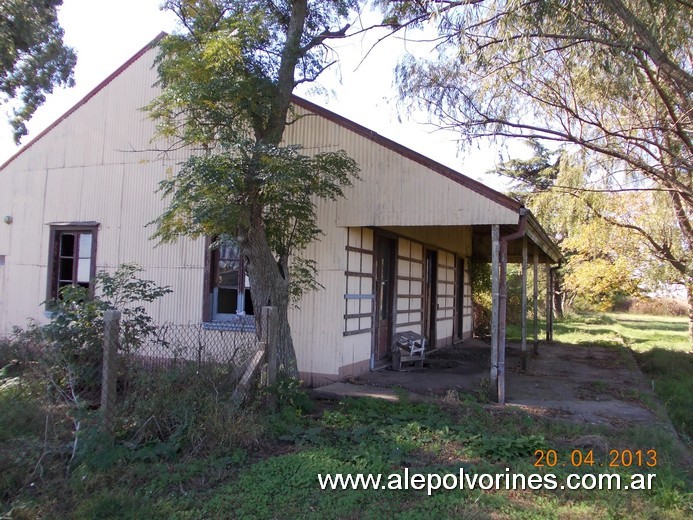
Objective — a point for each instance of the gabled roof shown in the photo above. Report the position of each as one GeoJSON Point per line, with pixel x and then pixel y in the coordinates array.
{"type": "Point", "coordinates": [396, 147]}
{"type": "Point", "coordinates": [86, 98]}
{"type": "Point", "coordinates": [429, 163]}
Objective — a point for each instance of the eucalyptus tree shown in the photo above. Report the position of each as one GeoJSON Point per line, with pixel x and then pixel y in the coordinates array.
{"type": "Point", "coordinates": [226, 80]}
{"type": "Point", "coordinates": [613, 78]}
{"type": "Point", "coordinates": [33, 57]}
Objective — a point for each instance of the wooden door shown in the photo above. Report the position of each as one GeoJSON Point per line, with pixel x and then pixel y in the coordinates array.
{"type": "Point", "coordinates": [431, 297]}
{"type": "Point", "coordinates": [385, 257]}
{"type": "Point", "coordinates": [459, 297]}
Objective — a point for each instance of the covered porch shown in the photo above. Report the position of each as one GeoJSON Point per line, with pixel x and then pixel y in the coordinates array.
{"type": "Point", "coordinates": [430, 293]}
{"type": "Point", "coordinates": [566, 382]}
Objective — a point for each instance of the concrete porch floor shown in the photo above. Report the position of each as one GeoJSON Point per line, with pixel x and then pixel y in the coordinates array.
{"type": "Point", "coordinates": [578, 383]}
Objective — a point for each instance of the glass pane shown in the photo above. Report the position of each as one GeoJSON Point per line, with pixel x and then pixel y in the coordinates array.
{"type": "Point", "coordinates": [65, 269]}
{"type": "Point", "coordinates": [84, 270]}
{"type": "Point", "coordinates": [67, 244]}
{"type": "Point", "coordinates": [227, 301]}
{"type": "Point", "coordinates": [85, 245]}
{"type": "Point", "coordinates": [229, 265]}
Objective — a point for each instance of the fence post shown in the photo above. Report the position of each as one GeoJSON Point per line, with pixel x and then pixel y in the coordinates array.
{"type": "Point", "coordinates": [111, 321]}
{"type": "Point", "coordinates": [269, 339]}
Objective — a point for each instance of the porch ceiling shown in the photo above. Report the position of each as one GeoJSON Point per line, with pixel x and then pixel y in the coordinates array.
{"type": "Point", "coordinates": [475, 241]}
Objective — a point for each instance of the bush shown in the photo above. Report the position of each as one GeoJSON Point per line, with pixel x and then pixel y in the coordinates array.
{"type": "Point", "coordinates": [481, 296]}
{"type": "Point", "coordinates": [187, 409]}
{"type": "Point", "coordinates": [654, 306]}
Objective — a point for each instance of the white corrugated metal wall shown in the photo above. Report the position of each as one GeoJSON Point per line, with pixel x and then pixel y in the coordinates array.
{"type": "Point", "coordinates": [99, 164]}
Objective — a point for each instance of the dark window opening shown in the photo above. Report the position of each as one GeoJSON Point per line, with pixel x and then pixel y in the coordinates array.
{"type": "Point", "coordinates": [72, 260]}
{"type": "Point", "coordinates": [229, 284]}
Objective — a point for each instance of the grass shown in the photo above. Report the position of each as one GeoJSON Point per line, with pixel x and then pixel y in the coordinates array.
{"type": "Point", "coordinates": [272, 471]}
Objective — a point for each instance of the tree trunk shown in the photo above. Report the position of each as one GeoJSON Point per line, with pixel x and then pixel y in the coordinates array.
{"type": "Point", "coordinates": [557, 295]}
{"type": "Point", "coordinates": [269, 287]}
{"type": "Point", "coordinates": [689, 291]}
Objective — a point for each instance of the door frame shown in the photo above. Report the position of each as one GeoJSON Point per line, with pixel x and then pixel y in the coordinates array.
{"type": "Point", "coordinates": [390, 311]}
{"type": "Point", "coordinates": [459, 297]}
{"type": "Point", "coordinates": [430, 317]}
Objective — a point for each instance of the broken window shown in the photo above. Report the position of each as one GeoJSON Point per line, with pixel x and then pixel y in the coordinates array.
{"type": "Point", "coordinates": [72, 257]}
{"type": "Point", "coordinates": [229, 284]}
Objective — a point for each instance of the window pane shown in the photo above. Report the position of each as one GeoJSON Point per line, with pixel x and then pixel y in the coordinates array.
{"type": "Point", "coordinates": [85, 245]}
{"type": "Point", "coordinates": [248, 303]}
{"type": "Point", "coordinates": [229, 266]}
{"type": "Point", "coordinates": [67, 244]}
{"type": "Point", "coordinates": [65, 269]}
{"type": "Point", "coordinates": [84, 270]}
{"type": "Point", "coordinates": [227, 301]}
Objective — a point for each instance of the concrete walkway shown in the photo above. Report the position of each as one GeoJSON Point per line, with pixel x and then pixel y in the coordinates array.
{"type": "Point", "coordinates": [581, 384]}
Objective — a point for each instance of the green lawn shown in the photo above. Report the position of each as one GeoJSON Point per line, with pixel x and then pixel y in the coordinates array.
{"type": "Point", "coordinates": [272, 471]}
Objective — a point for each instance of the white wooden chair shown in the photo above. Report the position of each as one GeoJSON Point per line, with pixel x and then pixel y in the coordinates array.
{"type": "Point", "coordinates": [408, 347]}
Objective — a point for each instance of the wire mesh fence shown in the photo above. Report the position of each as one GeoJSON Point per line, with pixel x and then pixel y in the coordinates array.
{"type": "Point", "coordinates": [173, 345]}
{"type": "Point", "coordinates": [174, 370]}
{"type": "Point", "coordinates": [216, 356]}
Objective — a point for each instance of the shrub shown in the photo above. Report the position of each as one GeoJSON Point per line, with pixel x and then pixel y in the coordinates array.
{"type": "Point", "coordinates": [71, 343]}
{"type": "Point", "coordinates": [655, 306]}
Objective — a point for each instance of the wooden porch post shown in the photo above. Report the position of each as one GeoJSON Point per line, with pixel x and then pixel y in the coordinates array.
{"type": "Point", "coordinates": [536, 300]}
{"type": "Point", "coordinates": [524, 303]}
{"type": "Point", "coordinates": [549, 307]}
{"type": "Point", "coordinates": [495, 250]}
{"type": "Point", "coordinates": [502, 315]}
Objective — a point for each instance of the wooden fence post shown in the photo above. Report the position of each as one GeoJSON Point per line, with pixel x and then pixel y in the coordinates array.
{"type": "Point", "coordinates": [111, 322]}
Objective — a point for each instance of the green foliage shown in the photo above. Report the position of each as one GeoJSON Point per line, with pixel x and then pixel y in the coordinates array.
{"type": "Point", "coordinates": [672, 373]}
{"type": "Point", "coordinates": [480, 274]}
{"type": "Point", "coordinates": [289, 393]}
{"type": "Point", "coordinates": [611, 79]}
{"type": "Point", "coordinates": [209, 196]}
{"type": "Point", "coordinates": [20, 414]}
{"type": "Point", "coordinates": [77, 318]}
{"type": "Point", "coordinates": [71, 343]}
{"type": "Point", "coordinates": [33, 57]}
{"type": "Point", "coordinates": [605, 263]}
{"type": "Point", "coordinates": [182, 410]}
{"type": "Point", "coordinates": [507, 449]}
{"type": "Point", "coordinates": [226, 83]}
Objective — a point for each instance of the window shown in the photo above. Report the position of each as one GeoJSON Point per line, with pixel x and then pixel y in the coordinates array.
{"type": "Point", "coordinates": [72, 258]}
{"type": "Point", "coordinates": [229, 285]}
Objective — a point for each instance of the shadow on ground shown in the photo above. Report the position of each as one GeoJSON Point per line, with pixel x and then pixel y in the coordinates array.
{"type": "Point", "coordinates": [584, 384]}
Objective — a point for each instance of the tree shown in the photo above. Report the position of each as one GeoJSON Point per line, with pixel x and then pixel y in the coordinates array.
{"type": "Point", "coordinates": [603, 262]}
{"type": "Point", "coordinates": [613, 78]}
{"type": "Point", "coordinates": [226, 82]}
{"type": "Point", "coordinates": [33, 57]}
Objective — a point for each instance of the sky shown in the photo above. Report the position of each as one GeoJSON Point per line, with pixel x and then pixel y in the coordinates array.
{"type": "Point", "coordinates": [106, 33]}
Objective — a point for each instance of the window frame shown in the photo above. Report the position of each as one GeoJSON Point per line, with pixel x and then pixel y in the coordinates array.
{"type": "Point", "coordinates": [210, 301]}
{"type": "Point", "coordinates": [57, 229]}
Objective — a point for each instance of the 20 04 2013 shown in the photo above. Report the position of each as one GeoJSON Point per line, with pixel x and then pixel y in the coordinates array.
{"type": "Point", "coordinates": [617, 458]}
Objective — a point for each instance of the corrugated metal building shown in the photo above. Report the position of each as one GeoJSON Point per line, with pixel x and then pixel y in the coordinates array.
{"type": "Point", "coordinates": [394, 257]}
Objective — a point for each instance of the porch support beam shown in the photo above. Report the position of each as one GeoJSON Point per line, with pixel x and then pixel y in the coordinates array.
{"type": "Point", "coordinates": [495, 297]}
{"type": "Point", "coordinates": [524, 303]}
{"type": "Point", "coordinates": [503, 299]}
{"type": "Point", "coordinates": [536, 300]}
{"type": "Point", "coordinates": [549, 301]}
{"type": "Point", "coordinates": [502, 319]}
